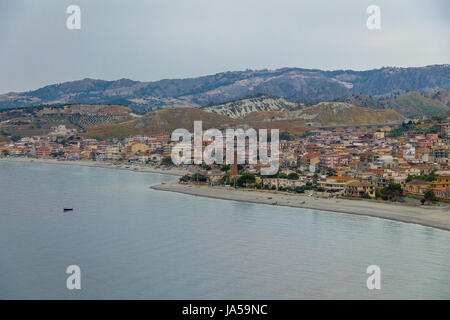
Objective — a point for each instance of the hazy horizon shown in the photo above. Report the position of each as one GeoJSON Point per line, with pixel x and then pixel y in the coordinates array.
{"type": "Point", "coordinates": [204, 75]}
{"type": "Point", "coordinates": [151, 41]}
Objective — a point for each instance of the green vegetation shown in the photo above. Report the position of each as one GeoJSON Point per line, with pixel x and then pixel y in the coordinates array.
{"type": "Point", "coordinates": [429, 196]}
{"type": "Point", "coordinates": [378, 194]}
{"type": "Point", "coordinates": [392, 192]}
{"type": "Point", "coordinates": [307, 186]}
{"type": "Point", "coordinates": [410, 126]}
{"type": "Point", "coordinates": [428, 178]}
{"type": "Point", "coordinates": [365, 195]}
{"type": "Point", "coordinates": [167, 161]}
{"type": "Point", "coordinates": [414, 105]}
{"type": "Point", "coordinates": [286, 136]}
{"type": "Point", "coordinates": [293, 176]}
{"type": "Point", "coordinates": [225, 168]}
{"type": "Point", "coordinates": [331, 172]}
{"type": "Point", "coordinates": [226, 179]}
{"type": "Point", "coordinates": [246, 179]}
{"type": "Point", "coordinates": [195, 177]}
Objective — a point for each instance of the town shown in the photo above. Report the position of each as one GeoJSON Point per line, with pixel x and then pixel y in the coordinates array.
{"type": "Point", "coordinates": [385, 163]}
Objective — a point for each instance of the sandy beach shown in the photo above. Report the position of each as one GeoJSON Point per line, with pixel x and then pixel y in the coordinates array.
{"type": "Point", "coordinates": [102, 164]}
{"type": "Point", "coordinates": [430, 216]}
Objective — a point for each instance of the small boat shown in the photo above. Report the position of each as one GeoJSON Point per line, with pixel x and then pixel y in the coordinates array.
{"type": "Point", "coordinates": [275, 203]}
{"type": "Point", "coordinates": [68, 209]}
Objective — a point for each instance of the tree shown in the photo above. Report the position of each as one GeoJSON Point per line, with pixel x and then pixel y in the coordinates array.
{"type": "Point", "coordinates": [245, 179]}
{"type": "Point", "coordinates": [282, 175]}
{"type": "Point", "coordinates": [331, 172]}
{"type": "Point", "coordinates": [393, 192]}
{"type": "Point", "coordinates": [16, 138]}
{"type": "Point", "coordinates": [378, 194]}
{"type": "Point", "coordinates": [293, 176]}
{"type": "Point", "coordinates": [315, 179]}
{"type": "Point", "coordinates": [429, 196]}
{"type": "Point", "coordinates": [198, 177]}
{"type": "Point", "coordinates": [225, 179]}
{"type": "Point", "coordinates": [167, 161]}
{"type": "Point", "coordinates": [285, 136]}
{"type": "Point", "coordinates": [185, 178]}
{"type": "Point", "coordinates": [225, 168]}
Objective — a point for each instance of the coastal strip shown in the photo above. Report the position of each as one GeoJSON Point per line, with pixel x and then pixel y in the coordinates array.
{"type": "Point", "coordinates": [108, 165]}
{"type": "Point", "coordinates": [429, 216]}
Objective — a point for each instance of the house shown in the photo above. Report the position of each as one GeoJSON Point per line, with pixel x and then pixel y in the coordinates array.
{"type": "Point", "coordinates": [334, 183]}
{"type": "Point", "coordinates": [328, 161]}
{"type": "Point", "coordinates": [444, 130]}
{"type": "Point", "coordinates": [359, 189]}
{"type": "Point", "coordinates": [285, 183]}
{"type": "Point", "coordinates": [43, 152]}
{"type": "Point", "coordinates": [417, 187]}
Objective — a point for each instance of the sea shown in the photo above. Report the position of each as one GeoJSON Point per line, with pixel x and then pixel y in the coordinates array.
{"type": "Point", "coordinates": [129, 241]}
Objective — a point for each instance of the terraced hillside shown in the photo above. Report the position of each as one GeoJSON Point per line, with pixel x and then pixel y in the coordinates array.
{"type": "Point", "coordinates": [42, 119]}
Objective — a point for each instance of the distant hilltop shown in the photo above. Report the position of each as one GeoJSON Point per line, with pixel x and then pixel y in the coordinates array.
{"type": "Point", "coordinates": [294, 85]}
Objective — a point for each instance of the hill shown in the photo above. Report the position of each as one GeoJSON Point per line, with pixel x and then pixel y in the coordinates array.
{"type": "Point", "coordinates": [296, 122]}
{"type": "Point", "coordinates": [292, 84]}
{"type": "Point", "coordinates": [42, 119]}
{"type": "Point", "coordinates": [332, 114]}
{"type": "Point", "coordinates": [163, 121]}
{"type": "Point", "coordinates": [241, 108]}
{"type": "Point", "coordinates": [338, 113]}
{"type": "Point", "coordinates": [414, 105]}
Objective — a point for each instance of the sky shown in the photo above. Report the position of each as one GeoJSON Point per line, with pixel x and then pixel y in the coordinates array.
{"type": "Point", "coordinates": [150, 40]}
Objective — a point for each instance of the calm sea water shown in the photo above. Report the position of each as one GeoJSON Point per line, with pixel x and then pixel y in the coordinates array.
{"type": "Point", "coordinates": [134, 242]}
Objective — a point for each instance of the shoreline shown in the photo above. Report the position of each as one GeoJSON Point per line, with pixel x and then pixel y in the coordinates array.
{"type": "Point", "coordinates": [434, 217]}
{"type": "Point", "coordinates": [107, 165]}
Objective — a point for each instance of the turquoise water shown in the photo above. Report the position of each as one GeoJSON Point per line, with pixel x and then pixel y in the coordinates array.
{"type": "Point", "coordinates": [134, 242]}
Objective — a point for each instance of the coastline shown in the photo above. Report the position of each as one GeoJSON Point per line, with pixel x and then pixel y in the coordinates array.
{"type": "Point", "coordinates": [435, 217]}
{"type": "Point", "coordinates": [109, 165]}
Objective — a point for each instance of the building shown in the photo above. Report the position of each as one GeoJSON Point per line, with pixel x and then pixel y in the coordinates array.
{"type": "Point", "coordinates": [417, 187]}
{"type": "Point", "coordinates": [328, 161]}
{"type": "Point", "coordinates": [335, 183]}
{"type": "Point", "coordinates": [444, 130]}
{"type": "Point", "coordinates": [360, 190]}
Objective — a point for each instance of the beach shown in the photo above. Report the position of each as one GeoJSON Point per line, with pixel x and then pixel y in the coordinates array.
{"type": "Point", "coordinates": [102, 164]}
{"type": "Point", "coordinates": [430, 216]}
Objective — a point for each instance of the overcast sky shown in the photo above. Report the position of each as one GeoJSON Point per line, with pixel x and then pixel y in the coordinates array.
{"type": "Point", "coordinates": [156, 39]}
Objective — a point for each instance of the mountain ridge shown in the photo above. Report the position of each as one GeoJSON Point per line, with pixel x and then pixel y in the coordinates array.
{"type": "Point", "coordinates": [291, 84]}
